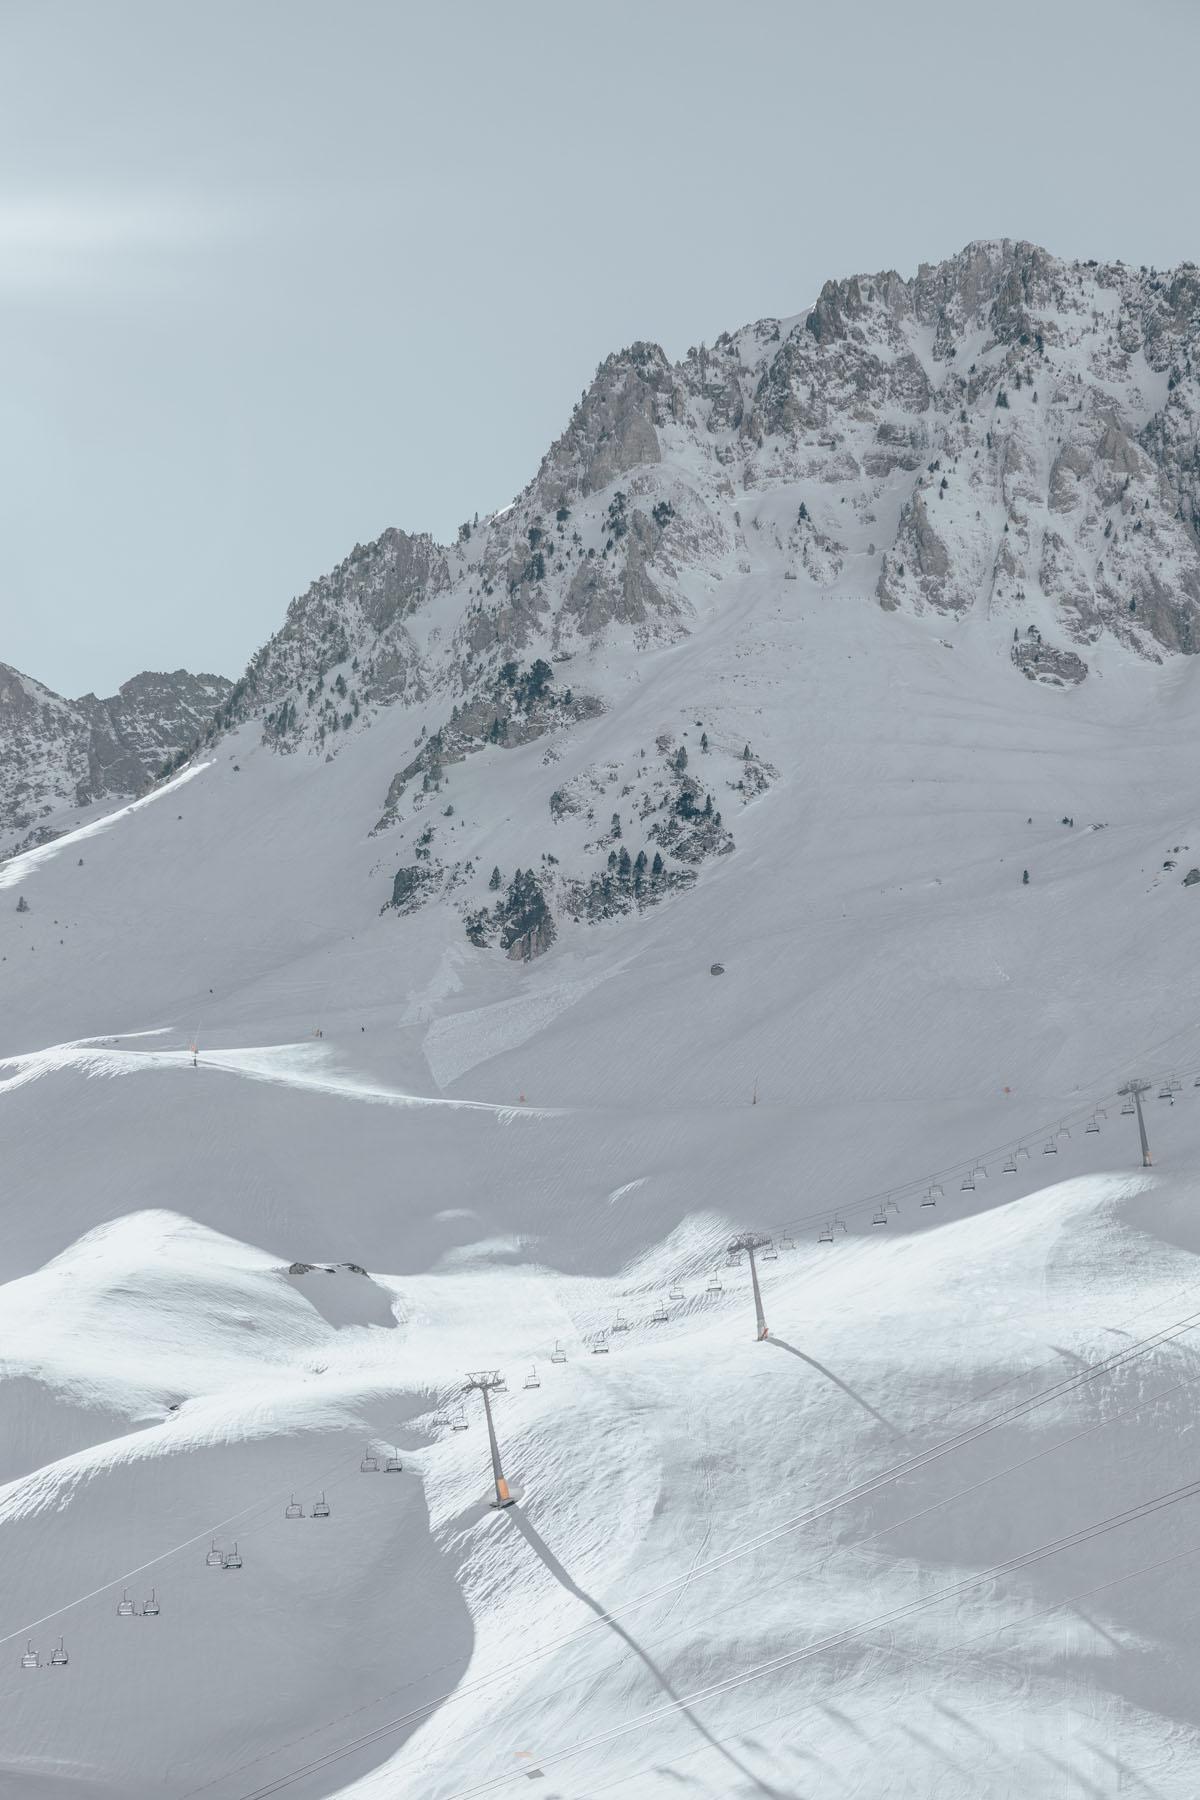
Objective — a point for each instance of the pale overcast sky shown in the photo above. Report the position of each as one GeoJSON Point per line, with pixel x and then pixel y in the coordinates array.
{"type": "Point", "coordinates": [275, 275]}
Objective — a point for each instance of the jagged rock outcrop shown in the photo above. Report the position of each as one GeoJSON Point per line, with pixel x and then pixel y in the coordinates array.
{"type": "Point", "coordinates": [57, 754]}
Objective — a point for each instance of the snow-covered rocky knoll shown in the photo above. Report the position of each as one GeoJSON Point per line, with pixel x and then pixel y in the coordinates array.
{"type": "Point", "coordinates": [355, 1057]}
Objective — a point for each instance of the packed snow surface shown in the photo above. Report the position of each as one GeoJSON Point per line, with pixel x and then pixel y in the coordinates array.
{"type": "Point", "coordinates": [281, 1169]}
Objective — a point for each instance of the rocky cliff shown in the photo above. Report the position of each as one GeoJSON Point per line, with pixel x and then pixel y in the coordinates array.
{"type": "Point", "coordinates": [57, 755]}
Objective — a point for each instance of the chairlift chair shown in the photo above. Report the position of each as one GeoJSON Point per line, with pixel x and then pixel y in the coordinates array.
{"type": "Point", "coordinates": [937, 1190]}
{"type": "Point", "coordinates": [928, 1199]}
{"type": "Point", "coordinates": [1010, 1165]}
{"type": "Point", "coordinates": [1101, 1112]}
{"type": "Point", "coordinates": [293, 1509]}
{"type": "Point", "coordinates": [214, 1559]}
{"type": "Point", "coordinates": [661, 1315]}
{"type": "Point", "coordinates": [321, 1507]}
{"type": "Point", "coordinates": [677, 1292]}
{"type": "Point", "coordinates": [714, 1286]}
{"type": "Point", "coordinates": [233, 1558]}
{"type": "Point", "coordinates": [980, 1169]}
{"type": "Point", "coordinates": [1127, 1109]}
{"type": "Point", "coordinates": [770, 1253]}
{"type": "Point", "coordinates": [1164, 1092]}
{"type": "Point", "coordinates": [620, 1323]}
{"type": "Point", "coordinates": [459, 1420]}
{"type": "Point", "coordinates": [1175, 1085]}
{"type": "Point", "coordinates": [1025, 1152]}
{"type": "Point", "coordinates": [880, 1217]}
{"type": "Point", "coordinates": [600, 1344]}
{"type": "Point", "coordinates": [558, 1354]}
{"type": "Point", "coordinates": [1050, 1147]}
{"type": "Point", "coordinates": [839, 1224]}
{"type": "Point", "coordinates": [1063, 1131]}
{"type": "Point", "coordinates": [30, 1659]}
{"type": "Point", "coordinates": [125, 1607]}
{"type": "Point", "coordinates": [533, 1379]}
{"type": "Point", "coordinates": [787, 1241]}
{"type": "Point", "coordinates": [1092, 1125]}
{"type": "Point", "coordinates": [825, 1236]}
{"type": "Point", "coordinates": [393, 1465]}
{"type": "Point", "coordinates": [1196, 1083]}
{"type": "Point", "coordinates": [968, 1183]}
{"type": "Point", "coordinates": [370, 1462]}
{"type": "Point", "coordinates": [151, 1608]}
{"type": "Point", "coordinates": [58, 1656]}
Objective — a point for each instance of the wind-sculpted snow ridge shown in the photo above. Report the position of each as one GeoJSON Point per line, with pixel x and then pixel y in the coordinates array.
{"type": "Point", "coordinates": [307, 1067]}
{"type": "Point", "coordinates": [16, 868]}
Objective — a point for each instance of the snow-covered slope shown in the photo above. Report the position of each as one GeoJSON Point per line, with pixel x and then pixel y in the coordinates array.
{"type": "Point", "coordinates": [291, 1147]}
{"type": "Point", "coordinates": [59, 757]}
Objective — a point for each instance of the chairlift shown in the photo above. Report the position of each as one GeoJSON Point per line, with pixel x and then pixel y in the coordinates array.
{"type": "Point", "coordinates": [533, 1379]}
{"type": "Point", "coordinates": [151, 1608]}
{"type": "Point", "coordinates": [714, 1285]}
{"type": "Point", "coordinates": [1010, 1165]}
{"type": "Point", "coordinates": [620, 1323]}
{"type": "Point", "coordinates": [787, 1241]}
{"type": "Point", "coordinates": [293, 1509]}
{"type": "Point", "coordinates": [1092, 1125]}
{"type": "Point", "coordinates": [980, 1169]}
{"type": "Point", "coordinates": [558, 1354]}
{"type": "Point", "coordinates": [321, 1507]}
{"type": "Point", "coordinates": [30, 1659]}
{"type": "Point", "coordinates": [968, 1183]}
{"type": "Point", "coordinates": [1127, 1109]}
{"type": "Point", "coordinates": [214, 1559]}
{"type": "Point", "coordinates": [1164, 1092]}
{"type": "Point", "coordinates": [370, 1462]}
{"type": "Point", "coordinates": [1024, 1151]}
{"type": "Point", "coordinates": [125, 1607]}
{"type": "Point", "coordinates": [1063, 1131]}
{"type": "Point", "coordinates": [1175, 1085]}
{"type": "Point", "coordinates": [839, 1224]}
{"type": "Point", "coordinates": [677, 1292]}
{"type": "Point", "coordinates": [1196, 1083]}
{"type": "Point", "coordinates": [928, 1199]}
{"type": "Point", "coordinates": [458, 1421]}
{"type": "Point", "coordinates": [600, 1344]}
{"type": "Point", "coordinates": [1101, 1112]}
{"type": "Point", "coordinates": [58, 1656]}
{"type": "Point", "coordinates": [1050, 1147]}
{"type": "Point", "coordinates": [233, 1558]}
{"type": "Point", "coordinates": [661, 1315]}
{"type": "Point", "coordinates": [392, 1464]}
{"type": "Point", "coordinates": [937, 1191]}
{"type": "Point", "coordinates": [825, 1236]}
{"type": "Point", "coordinates": [770, 1253]}
{"type": "Point", "coordinates": [880, 1217]}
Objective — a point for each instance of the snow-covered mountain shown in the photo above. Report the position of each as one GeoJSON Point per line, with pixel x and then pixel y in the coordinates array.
{"type": "Point", "coordinates": [58, 757]}
{"type": "Point", "coordinates": [1007, 440]}
{"type": "Point", "coordinates": [355, 1058]}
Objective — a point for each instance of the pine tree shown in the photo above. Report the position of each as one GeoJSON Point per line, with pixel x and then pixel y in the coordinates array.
{"type": "Point", "coordinates": [656, 867]}
{"type": "Point", "coordinates": [681, 759]}
{"type": "Point", "coordinates": [496, 879]}
{"type": "Point", "coordinates": [22, 904]}
{"type": "Point", "coordinates": [704, 741]}
{"type": "Point", "coordinates": [616, 825]}
{"type": "Point", "coordinates": [746, 754]}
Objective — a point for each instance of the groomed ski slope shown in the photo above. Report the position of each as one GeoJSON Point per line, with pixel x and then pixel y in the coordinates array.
{"type": "Point", "coordinates": [734, 1568]}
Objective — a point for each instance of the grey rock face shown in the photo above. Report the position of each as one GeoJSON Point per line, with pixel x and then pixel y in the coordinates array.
{"type": "Point", "coordinates": [57, 754]}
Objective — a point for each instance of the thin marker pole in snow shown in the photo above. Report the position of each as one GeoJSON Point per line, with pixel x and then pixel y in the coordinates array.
{"type": "Point", "coordinates": [750, 1241]}
{"type": "Point", "coordinates": [486, 1380]}
{"type": "Point", "coordinates": [1136, 1089]}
